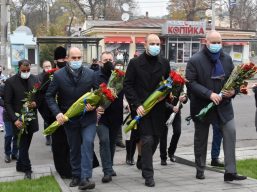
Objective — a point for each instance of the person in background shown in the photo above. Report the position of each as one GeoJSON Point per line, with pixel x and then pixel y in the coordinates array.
{"type": "Point", "coordinates": [95, 65]}
{"type": "Point", "coordinates": [255, 96]}
{"type": "Point", "coordinates": [81, 130]}
{"type": "Point", "coordinates": [46, 66]}
{"type": "Point", "coordinates": [2, 80]}
{"type": "Point", "coordinates": [143, 75]}
{"type": "Point", "coordinates": [119, 140]}
{"type": "Point", "coordinates": [125, 57]}
{"type": "Point", "coordinates": [10, 138]}
{"type": "Point", "coordinates": [119, 56]}
{"type": "Point", "coordinates": [60, 146]}
{"type": "Point", "coordinates": [215, 148]}
{"type": "Point", "coordinates": [171, 107]}
{"type": "Point", "coordinates": [14, 94]}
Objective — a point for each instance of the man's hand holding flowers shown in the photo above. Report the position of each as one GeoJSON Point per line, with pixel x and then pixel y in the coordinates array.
{"type": "Point", "coordinates": [18, 124]}
{"type": "Point", "coordinates": [60, 118]}
{"type": "Point", "coordinates": [216, 98]}
{"type": "Point", "coordinates": [182, 98]}
{"type": "Point", "coordinates": [140, 111]}
{"type": "Point", "coordinates": [32, 105]}
{"type": "Point", "coordinates": [89, 107]}
{"type": "Point", "coordinates": [228, 93]}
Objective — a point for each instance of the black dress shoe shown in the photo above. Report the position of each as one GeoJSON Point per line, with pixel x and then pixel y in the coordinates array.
{"type": "Point", "coordinates": [114, 174]}
{"type": "Point", "coordinates": [233, 176]}
{"type": "Point", "coordinates": [107, 178]}
{"type": "Point", "coordinates": [86, 184]}
{"type": "Point", "coordinates": [130, 162]}
{"type": "Point", "coordinates": [7, 159]}
{"type": "Point", "coordinates": [149, 182]}
{"type": "Point", "coordinates": [216, 163]}
{"type": "Point", "coordinates": [27, 175]}
{"type": "Point", "coordinates": [14, 157]}
{"type": "Point", "coordinates": [163, 162]}
{"type": "Point", "coordinates": [120, 144]}
{"type": "Point", "coordinates": [172, 158]}
{"type": "Point", "coordinates": [74, 182]}
{"type": "Point", "coordinates": [200, 175]}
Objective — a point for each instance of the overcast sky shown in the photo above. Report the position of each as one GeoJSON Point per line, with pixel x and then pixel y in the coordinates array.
{"type": "Point", "coordinates": [154, 7]}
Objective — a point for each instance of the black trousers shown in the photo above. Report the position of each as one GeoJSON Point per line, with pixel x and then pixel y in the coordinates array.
{"type": "Point", "coordinates": [61, 153]}
{"type": "Point", "coordinates": [23, 162]}
{"type": "Point", "coordinates": [176, 125]}
{"type": "Point", "coordinates": [149, 145]}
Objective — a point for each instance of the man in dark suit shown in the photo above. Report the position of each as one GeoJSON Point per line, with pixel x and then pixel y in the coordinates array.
{"type": "Point", "coordinates": [59, 143]}
{"type": "Point", "coordinates": [143, 76]}
{"type": "Point", "coordinates": [69, 84]}
{"type": "Point", "coordinates": [15, 89]}
{"type": "Point", "coordinates": [207, 72]}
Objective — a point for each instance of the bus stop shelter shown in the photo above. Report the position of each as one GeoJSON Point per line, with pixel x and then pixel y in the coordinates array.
{"type": "Point", "coordinates": [68, 41]}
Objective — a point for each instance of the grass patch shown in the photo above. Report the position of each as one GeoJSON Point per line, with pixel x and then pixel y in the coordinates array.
{"type": "Point", "coordinates": [42, 184]}
{"type": "Point", "coordinates": [247, 167]}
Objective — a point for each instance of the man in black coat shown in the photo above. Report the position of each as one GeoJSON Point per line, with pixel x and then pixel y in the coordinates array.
{"type": "Point", "coordinates": [69, 84]}
{"type": "Point", "coordinates": [59, 143]}
{"type": "Point", "coordinates": [110, 122]}
{"type": "Point", "coordinates": [15, 88]}
{"type": "Point", "coordinates": [207, 72]}
{"type": "Point", "coordinates": [143, 76]}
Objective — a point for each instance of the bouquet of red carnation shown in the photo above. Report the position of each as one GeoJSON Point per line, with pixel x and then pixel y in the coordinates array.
{"type": "Point", "coordinates": [177, 90]}
{"type": "Point", "coordinates": [236, 79]}
{"type": "Point", "coordinates": [116, 80]}
{"type": "Point", "coordinates": [163, 90]}
{"type": "Point", "coordinates": [102, 96]}
{"type": "Point", "coordinates": [27, 114]}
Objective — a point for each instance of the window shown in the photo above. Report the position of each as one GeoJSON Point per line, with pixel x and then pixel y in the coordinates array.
{"type": "Point", "coordinates": [238, 48]}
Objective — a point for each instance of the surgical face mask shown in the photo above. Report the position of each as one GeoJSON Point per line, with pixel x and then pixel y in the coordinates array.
{"type": "Point", "coordinates": [154, 50]}
{"type": "Point", "coordinates": [25, 75]}
{"type": "Point", "coordinates": [120, 67]}
{"type": "Point", "coordinates": [75, 64]}
{"type": "Point", "coordinates": [61, 64]}
{"type": "Point", "coordinates": [214, 48]}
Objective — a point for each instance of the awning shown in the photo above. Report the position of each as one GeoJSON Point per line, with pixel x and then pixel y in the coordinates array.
{"type": "Point", "coordinates": [118, 40]}
{"type": "Point", "coordinates": [140, 40]}
{"type": "Point", "coordinates": [235, 43]}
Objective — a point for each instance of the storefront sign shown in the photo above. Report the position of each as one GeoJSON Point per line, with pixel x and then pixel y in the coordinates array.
{"type": "Point", "coordinates": [184, 28]}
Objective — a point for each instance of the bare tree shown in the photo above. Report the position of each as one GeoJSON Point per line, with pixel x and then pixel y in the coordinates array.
{"type": "Point", "coordinates": [187, 9]}
{"type": "Point", "coordinates": [244, 14]}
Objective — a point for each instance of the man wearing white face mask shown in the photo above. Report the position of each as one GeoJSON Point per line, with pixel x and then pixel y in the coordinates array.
{"type": "Point", "coordinates": [143, 75]}
{"type": "Point", "coordinates": [69, 84]}
{"type": "Point", "coordinates": [15, 89]}
{"type": "Point", "coordinates": [207, 72]}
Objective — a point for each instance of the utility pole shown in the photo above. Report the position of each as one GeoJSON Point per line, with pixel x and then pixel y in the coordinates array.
{"type": "Point", "coordinates": [5, 16]}
{"type": "Point", "coordinates": [213, 15]}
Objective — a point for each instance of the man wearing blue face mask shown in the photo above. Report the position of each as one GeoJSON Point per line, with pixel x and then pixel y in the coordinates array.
{"type": "Point", "coordinates": [207, 72]}
{"type": "Point", "coordinates": [69, 84]}
{"type": "Point", "coordinates": [143, 75]}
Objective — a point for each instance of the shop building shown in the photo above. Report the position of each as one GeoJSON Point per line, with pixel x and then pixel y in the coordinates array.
{"type": "Point", "coordinates": [179, 39]}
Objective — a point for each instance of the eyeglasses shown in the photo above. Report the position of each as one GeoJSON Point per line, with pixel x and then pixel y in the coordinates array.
{"type": "Point", "coordinates": [25, 71]}
{"type": "Point", "coordinates": [215, 42]}
{"type": "Point", "coordinates": [74, 58]}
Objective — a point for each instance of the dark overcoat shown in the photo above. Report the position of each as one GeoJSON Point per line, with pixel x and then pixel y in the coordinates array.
{"type": "Point", "coordinates": [14, 93]}
{"type": "Point", "coordinates": [201, 85]}
{"type": "Point", "coordinates": [142, 79]}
